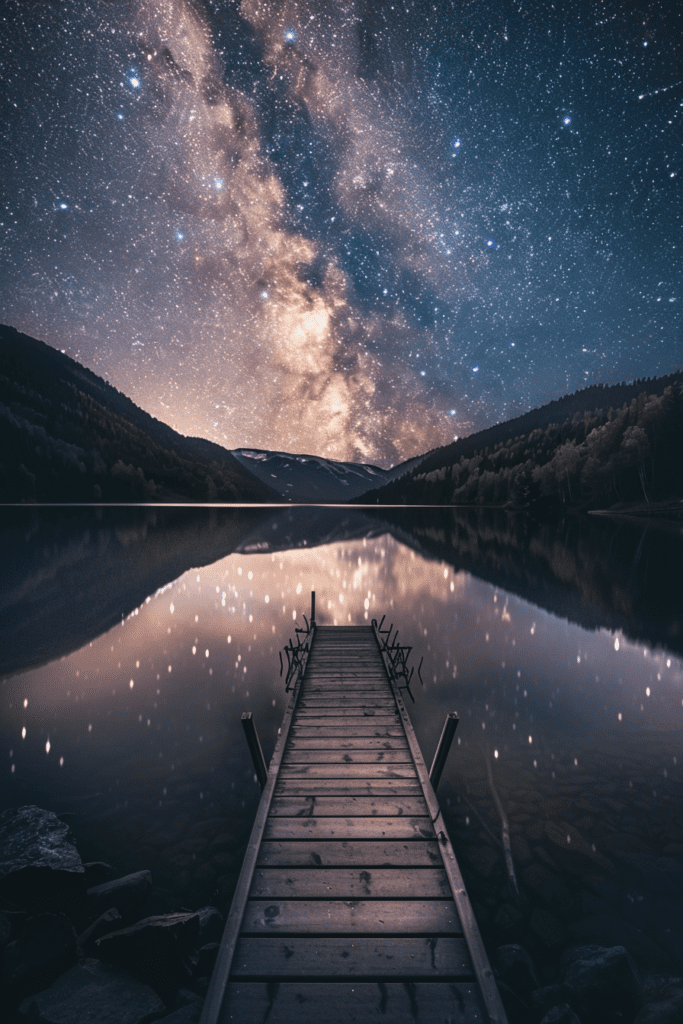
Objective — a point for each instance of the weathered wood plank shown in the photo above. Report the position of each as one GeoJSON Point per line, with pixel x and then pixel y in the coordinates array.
{"type": "Point", "coordinates": [348, 771]}
{"type": "Point", "coordinates": [348, 787]}
{"type": "Point", "coordinates": [350, 883]}
{"type": "Point", "coordinates": [348, 757]}
{"type": "Point", "coordinates": [330, 853]}
{"type": "Point", "coordinates": [295, 1002]}
{"type": "Point", "coordinates": [348, 720]}
{"type": "Point", "coordinates": [406, 958]}
{"type": "Point", "coordinates": [347, 705]}
{"type": "Point", "coordinates": [337, 730]}
{"type": "Point", "coordinates": [351, 917]}
{"type": "Point", "coordinates": [347, 743]}
{"type": "Point", "coordinates": [325, 806]}
{"type": "Point", "coordinates": [348, 828]}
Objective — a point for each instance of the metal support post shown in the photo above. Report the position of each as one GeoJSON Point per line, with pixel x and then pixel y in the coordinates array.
{"type": "Point", "coordinates": [312, 608]}
{"type": "Point", "coordinates": [443, 746]}
{"type": "Point", "coordinates": [255, 748]}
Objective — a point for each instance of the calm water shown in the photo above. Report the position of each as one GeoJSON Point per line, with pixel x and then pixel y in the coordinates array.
{"type": "Point", "coordinates": [132, 641]}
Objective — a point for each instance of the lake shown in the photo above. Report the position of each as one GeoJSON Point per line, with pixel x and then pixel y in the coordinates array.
{"type": "Point", "coordinates": [131, 641]}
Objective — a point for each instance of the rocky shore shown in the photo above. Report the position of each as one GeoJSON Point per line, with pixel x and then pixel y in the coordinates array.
{"type": "Point", "coordinates": [79, 945]}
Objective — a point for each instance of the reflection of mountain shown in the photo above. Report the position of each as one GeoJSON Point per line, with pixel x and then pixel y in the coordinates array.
{"type": "Point", "coordinates": [597, 571]}
{"type": "Point", "coordinates": [66, 576]}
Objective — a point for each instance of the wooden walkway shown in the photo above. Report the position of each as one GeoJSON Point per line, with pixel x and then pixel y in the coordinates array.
{"type": "Point", "coordinates": [350, 906]}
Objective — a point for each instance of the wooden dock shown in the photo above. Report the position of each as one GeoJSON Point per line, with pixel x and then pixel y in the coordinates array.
{"type": "Point", "coordinates": [350, 906]}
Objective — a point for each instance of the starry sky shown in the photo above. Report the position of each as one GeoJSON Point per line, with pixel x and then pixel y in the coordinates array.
{"type": "Point", "coordinates": [356, 229]}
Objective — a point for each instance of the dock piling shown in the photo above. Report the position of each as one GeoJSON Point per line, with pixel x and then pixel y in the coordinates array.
{"type": "Point", "coordinates": [312, 608]}
{"type": "Point", "coordinates": [443, 746]}
{"type": "Point", "coordinates": [255, 748]}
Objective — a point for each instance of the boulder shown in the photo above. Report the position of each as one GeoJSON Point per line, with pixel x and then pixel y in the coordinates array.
{"type": "Point", "coordinates": [40, 868]}
{"type": "Point", "coordinates": [515, 968]}
{"type": "Point", "coordinates": [608, 931]}
{"type": "Point", "coordinates": [605, 984]}
{"type": "Point", "coordinates": [45, 948]}
{"type": "Point", "coordinates": [157, 950]}
{"type": "Point", "coordinates": [124, 894]}
{"type": "Point", "coordinates": [94, 992]}
{"type": "Point", "coordinates": [544, 999]}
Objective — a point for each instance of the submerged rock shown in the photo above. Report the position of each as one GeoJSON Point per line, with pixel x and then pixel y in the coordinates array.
{"type": "Point", "coordinates": [605, 984]}
{"type": "Point", "coordinates": [94, 992]}
{"type": "Point", "coordinates": [40, 868]}
{"type": "Point", "coordinates": [124, 894]}
{"type": "Point", "coordinates": [516, 969]}
{"type": "Point", "coordinates": [157, 950]}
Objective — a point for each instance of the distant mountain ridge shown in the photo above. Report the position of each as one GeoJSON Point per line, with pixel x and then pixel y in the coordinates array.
{"type": "Point", "coordinates": [310, 478]}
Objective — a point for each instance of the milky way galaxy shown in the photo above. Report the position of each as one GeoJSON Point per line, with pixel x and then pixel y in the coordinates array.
{"type": "Point", "coordinates": [355, 229]}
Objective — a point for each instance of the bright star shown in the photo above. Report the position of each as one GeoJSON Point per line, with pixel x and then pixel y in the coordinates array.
{"type": "Point", "coordinates": [264, 295]}
{"type": "Point", "coordinates": [179, 235]}
{"type": "Point", "coordinates": [119, 116]}
{"type": "Point", "coordinates": [218, 184]}
{"type": "Point", "coordinates": [290, 36]}
{"type": "Point", "coordinates": [63, 206]}
{"type": "Point", "coordinates": [490, 244]}
{"type": "Point", "coordinates": [475, 369]}
{"type": "Point", "coordinates": [566, 120]}
{"type": "Point", "coordinates": [457, 143]}
{"type": "Point", "coordinates": [453, 412]}
{"type": "Point", "coordinates": [134, 80]}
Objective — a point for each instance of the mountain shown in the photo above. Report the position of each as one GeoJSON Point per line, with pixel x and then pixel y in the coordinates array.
{"type": "Point", "coordinates": [600, 447]}
{"type": "Point", "coordinates": [309, 478]}
{"type": "Point", "coordinates": [66, 435]}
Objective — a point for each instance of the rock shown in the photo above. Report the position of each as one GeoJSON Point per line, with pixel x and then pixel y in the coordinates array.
{"type": "Point", "coordinates": [548, 928]}
{"type": "Point", "coordinates": [605, 984]}
{"type": "Point", "coordinates": [562, 1014]}
{"type": "Point", "coordinates": [573, 953]}
{"type": "Point", "coordinates": [157, 950]}
{"type": "Point", "coordinates": [544, 999]}
{"type": "Point", "coordinates": [97, 872]}
{"type": "Point", "coordinates": [94, 993]}
{"type": "Point", "coordinates": [605, 930]}
{"type": "Point", "coordinates": [546, 887]}
{"type": "Point", "coordinates": [46, 947]}
{"type": "Point", "coordinates": [210, 925]}
{"type": "Point", "coordinates": [125, 894]}
{"type": "Point", "coordinates": [515, 968]}
{"type": "Point", "coordinates": [40, 868]}
{"type": "Point", "coordinates": [109, 921]}
{"type": "Point", "coordinates": [667, 1009]}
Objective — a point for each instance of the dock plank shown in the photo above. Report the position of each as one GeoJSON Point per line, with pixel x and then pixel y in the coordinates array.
{"type": "Point", "coordinates": [296, 1002]}
{"type": "Point", "coordinates": [334, 853]}
{"type": "Point", "coordinates": [326, 806]}
{"type": "Point", "coordinates": [351, 917]}
{"type": "Point", "coordinates": [348, 787]}
{"type": "Point", "coordinates": [346, 883]}
{"type": "Point", "coordinates": [349, 828]}
{"type": "Point", "coordinates": [358, 957]}
{"type": "Point", "coordinates": [348, 757]}
{"type": "Point", "coordinates": [350, 771]}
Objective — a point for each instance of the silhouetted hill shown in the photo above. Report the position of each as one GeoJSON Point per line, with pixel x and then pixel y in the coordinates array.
{"type": "Point", "coordinates": [597, 447]}
{"type": "Point", "coordinates": [66, 435]}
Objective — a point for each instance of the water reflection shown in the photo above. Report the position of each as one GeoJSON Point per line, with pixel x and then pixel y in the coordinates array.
{"type": "Point", "coordinates": [137, 732]}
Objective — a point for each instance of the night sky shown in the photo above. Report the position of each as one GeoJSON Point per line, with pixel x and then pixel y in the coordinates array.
{"type": "Point", "coordinates": [355, 229]}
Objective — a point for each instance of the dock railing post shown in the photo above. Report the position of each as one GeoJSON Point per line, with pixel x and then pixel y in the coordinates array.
{"type": "Point", "coordinates": [312, 608]}
{"type": "Point", "coordinates": [443, 746]}
{"type": "Point", "coordinates": [255, 748]}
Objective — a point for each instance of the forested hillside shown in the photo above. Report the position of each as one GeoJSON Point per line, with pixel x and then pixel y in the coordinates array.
{"type": "Point", "coordinates": [595, 457]}
{"type": "Point", "coordinates": [66, 435]}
